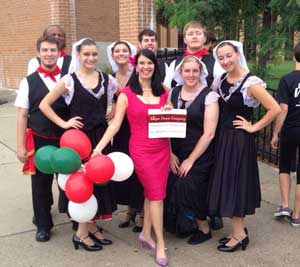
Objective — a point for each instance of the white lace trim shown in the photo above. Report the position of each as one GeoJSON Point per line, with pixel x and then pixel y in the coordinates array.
{"type": "Point", "coordinates": [69, 84]}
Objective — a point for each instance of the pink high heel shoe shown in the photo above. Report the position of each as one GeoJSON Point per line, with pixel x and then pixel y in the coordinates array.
{"type": "Point", "coordinates": [146, 243]}
{"type": "Point", "coordinates": [162, 261]}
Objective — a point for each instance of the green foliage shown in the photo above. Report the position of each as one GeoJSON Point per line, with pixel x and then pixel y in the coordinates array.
{"type": "Point", "coordinates": [267, 25]}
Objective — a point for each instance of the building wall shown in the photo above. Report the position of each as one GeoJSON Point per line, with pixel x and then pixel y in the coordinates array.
{"type": "Point", "coordinates": [19, 30]}
{"type": "Point", "coordinates": [23, 21]}
{"type": "Point", "coordinates": [98, 20]}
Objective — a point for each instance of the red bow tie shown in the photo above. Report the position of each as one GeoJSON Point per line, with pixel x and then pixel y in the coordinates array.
{"type": "Point", "coordinates": [51, 74]}
{"type": "Point", "coordinates": [202, 52]}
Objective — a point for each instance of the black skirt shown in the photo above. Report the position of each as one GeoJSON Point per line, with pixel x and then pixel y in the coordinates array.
{"type": "Point", "coordinates": [234, 189]}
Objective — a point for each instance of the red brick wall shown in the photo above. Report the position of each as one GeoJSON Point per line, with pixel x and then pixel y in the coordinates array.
{"type": "Point", "coordinates": [22, 22]}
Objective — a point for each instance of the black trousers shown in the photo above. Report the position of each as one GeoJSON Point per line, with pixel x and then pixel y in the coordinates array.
{"type": "Point", "coordinates": [41, 185]}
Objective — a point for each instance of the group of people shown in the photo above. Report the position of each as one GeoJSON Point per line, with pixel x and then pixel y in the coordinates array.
{"type": "Point", "coordinates": [183, 185]}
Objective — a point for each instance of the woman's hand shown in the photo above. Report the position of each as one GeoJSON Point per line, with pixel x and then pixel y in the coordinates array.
{"type": "Point", "coordinates": [96, 152]}
{"type": "Point", "coordinates": [74, 122]}
{"type": "Point", "coordinates": [22, 154]}
{"type": "Point", "coordinates": [274, 142]}
{"type": "Point", "coordinates": [243, 124]}
{"type": "Point", "coordinates": [167, 107]}
{"type": "Point", "coordinates": [110, 115]}
{"type": "Point", "coordinates": [185, 167]}
{"type": "Point", "coordinates": [174, 163]}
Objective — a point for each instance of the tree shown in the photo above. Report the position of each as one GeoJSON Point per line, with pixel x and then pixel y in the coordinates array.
{"type": "Point", "coordinates": [265, 26]}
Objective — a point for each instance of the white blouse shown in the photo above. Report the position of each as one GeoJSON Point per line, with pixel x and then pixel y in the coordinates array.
{"type": "Point", "coordinates": [249, 101]}
{"type": "Point", "coordinates": [112, 87]}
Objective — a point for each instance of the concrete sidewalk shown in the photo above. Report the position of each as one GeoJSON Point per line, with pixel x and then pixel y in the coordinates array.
{"type": "Point", "coordinates": [272, 243]}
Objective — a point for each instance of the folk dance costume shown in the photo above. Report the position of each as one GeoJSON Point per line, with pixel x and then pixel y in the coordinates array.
{"type": "Point", "coordinates": [91, 105]}
{"type": "Point", "coordinates": [234, 188]}
{"type": "Point", "coordinates": [31, 92]}
{"type": "Point", "coordinates": [213, 67]}
{"type": "Point", "coordinates": [187, 196]}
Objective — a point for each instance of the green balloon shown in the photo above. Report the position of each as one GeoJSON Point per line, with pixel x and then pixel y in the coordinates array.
{"type": "Point", "coordinates": [65, 160]}
{"type": "Point", "coordinates": [42, 159]}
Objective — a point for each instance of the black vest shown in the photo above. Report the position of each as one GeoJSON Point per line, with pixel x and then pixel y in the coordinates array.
{"type": "Point", "coordinates": [87, 106]}
{"type": "Point", "coordinates": [182, 147]}
{"type": "Point", "coordinates": [37, 121]}
{"type": "Point", "coordinates": [209, 62]}
{"type": "Point", "coordinates": [65, 66]}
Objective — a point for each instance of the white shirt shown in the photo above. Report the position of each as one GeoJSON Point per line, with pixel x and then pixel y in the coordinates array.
{"type": "Point", "coordinates": [22, 99]}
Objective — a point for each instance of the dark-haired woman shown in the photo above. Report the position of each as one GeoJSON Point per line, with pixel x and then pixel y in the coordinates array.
{"type": "Point", "coordinates": [86, 92]}
{"type": "Point", "coordinates": [151, 157]}
{"type": "Point", "coordinates": [129, 192]}
{"type": "Point", "coordinates": [234, 187]}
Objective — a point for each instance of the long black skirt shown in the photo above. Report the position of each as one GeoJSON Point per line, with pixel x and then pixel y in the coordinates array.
{"type": "Point", "coordinates": [234, 189]}
{"type": "Point", "coordinates": [186, 200]}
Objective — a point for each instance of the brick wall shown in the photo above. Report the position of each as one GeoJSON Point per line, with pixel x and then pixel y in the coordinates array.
{"type": "Point", "coordinates": [21, 23]}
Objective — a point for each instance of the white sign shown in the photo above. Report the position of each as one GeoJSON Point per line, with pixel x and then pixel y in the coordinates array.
{"type": "Point", "coordinates": [166, 124]}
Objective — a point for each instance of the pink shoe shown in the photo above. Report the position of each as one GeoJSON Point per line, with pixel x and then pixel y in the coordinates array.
{"type": "Point", "coordinates": [146, 243]}
{"type": "Point", "coordinates": [162, 261]}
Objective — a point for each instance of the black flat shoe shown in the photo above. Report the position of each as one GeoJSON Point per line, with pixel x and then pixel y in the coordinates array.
{"type": "Point", "coordinates": [42, 236]}
{"type": "Point", "coordinates": [199, 237]}
{"type": "Point", "coordinates": [216, 223]}
{"type": "Point", "coordinates": [226, 239]}
{"type": "Point", "coordinates": [131, 217]}
{"type": "Point", "coordinates": [103, 242]}
{"type": "Point", "coordinates": [241, 244]}
{"type": "Point", "coordinates": [80, 242]}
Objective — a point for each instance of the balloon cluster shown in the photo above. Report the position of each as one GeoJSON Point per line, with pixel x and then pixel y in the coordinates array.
{"type": "Point", "coordinates": [78, 180]}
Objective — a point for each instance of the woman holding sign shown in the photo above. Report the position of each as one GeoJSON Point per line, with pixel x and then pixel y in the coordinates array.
{"type": "Point", "coordinates": [151, 157]}
{"type": "Point", "coordinates": [192, 156]}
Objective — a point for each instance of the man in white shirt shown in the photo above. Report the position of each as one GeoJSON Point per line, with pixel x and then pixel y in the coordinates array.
{"type": "Point", "coordinates": [63, 60]}
{"type": "Point", "coordinates": [33, 125]}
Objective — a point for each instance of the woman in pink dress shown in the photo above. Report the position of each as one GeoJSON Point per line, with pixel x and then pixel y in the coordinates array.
{"type": "Point", "coordinates": [151, 157]}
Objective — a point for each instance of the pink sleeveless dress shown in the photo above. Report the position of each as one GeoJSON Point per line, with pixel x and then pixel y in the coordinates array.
{"type": "Point", "coordinates": [151, 157]}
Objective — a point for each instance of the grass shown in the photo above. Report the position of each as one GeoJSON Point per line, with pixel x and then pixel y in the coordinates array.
{"type": "Point", "coordinates": [278, 70]}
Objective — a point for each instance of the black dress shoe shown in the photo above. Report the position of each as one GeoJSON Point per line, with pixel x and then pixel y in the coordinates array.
{"type": "Point", "coordinates": [216, 223]}
{"type": "Point", "coordinates": [80, 242]}
{"type": "Point", "coordinates": [137, 229]}
{"type": "Point", "coordinates": [199, 237]}
{"type": "Point", "coordinates": [103, 242]}
{"type": "Point", "coordinates": [42, 235]}
{"type": "Point", "coordinates": [241, 244]}
{"type": "Point", "coordinates": [226, 239]}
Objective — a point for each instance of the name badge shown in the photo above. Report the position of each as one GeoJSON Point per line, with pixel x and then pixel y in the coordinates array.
{"type": "Point", "coordinates": [167, 124]}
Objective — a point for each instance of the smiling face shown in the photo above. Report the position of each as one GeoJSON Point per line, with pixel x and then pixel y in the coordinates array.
{"type": "Point", "coordinates": [48, 53]}
{"type": "Point", "coordinates": [149, 42]}
{"type": "Point", "coordinates": [145, 68]}
{"type": "Point", "coordinates": [194, 38]}
{"type": "Point", "coordinates": [228, 57]}
{"type": "Point", "coordinates": [190, 73]}
{"type": "Point", "coordinates": [121, 54]}
{"type": "Point", "coordinates": [59, 35]}
{"type": "Point", "coordinates": [88, 56]}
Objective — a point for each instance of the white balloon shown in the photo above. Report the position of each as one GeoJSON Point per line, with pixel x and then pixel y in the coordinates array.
{"type": "Point", "coordinates": [62, 179]}
{"type": "Point", "coordinates": [83, 212]}
{"type": "Point", "coordinates": [123, 166]}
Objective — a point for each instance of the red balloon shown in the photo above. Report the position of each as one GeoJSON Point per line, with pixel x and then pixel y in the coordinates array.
{"type": "Point", "coordinates": [78, 187]}
{"type": "Point", "coordinates": [78, 141]}
{"type": "Point", "coordinates": [99, 169]}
